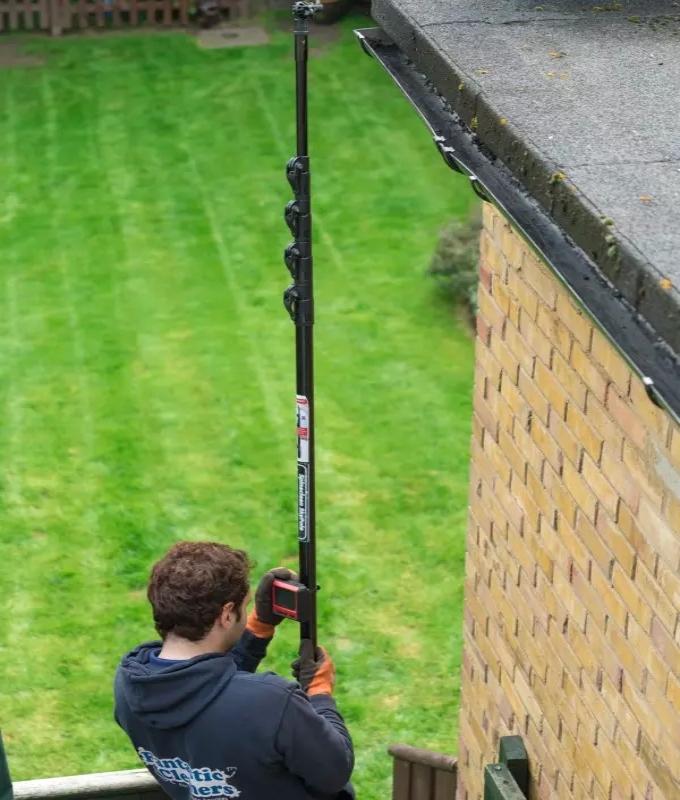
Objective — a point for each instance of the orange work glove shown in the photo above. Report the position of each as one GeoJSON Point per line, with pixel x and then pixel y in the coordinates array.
{"type": "Point", "coordinates": [315, 672]}
{"type": "Point", "coordinates": [262, 620]}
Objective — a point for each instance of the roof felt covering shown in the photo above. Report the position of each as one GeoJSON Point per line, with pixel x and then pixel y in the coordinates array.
{"type": "Point", "coordinates": [582, 102]}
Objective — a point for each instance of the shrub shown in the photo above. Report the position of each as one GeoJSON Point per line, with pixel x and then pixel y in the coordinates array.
{"type": "Point", "coordinates": [454, 264]}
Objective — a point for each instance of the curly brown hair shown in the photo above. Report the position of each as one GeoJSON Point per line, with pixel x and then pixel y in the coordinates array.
{"type": "Point", "coordinates": [191, 584]}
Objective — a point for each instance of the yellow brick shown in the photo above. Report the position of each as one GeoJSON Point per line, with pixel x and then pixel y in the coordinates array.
{"type": "Point", "coordinates": [673, 691]}
{"type": "Point", "coordinates": [487, 417]}
{"type": "Point", "coordinates": [565, 503]}
{"type": "Point", "coordinates": [619, 476]}
{"type": "Point", "coordinates": [535, 340]}
{"type": "Point", "coordinates": [648, 655]}
{"type": "Point", "coordinates": [598, 483]}
{"type": "Point", "coordinates": [513, 247]}
{"type": "Point", "coordinates": [590, 595]}
{"type": "Point", "coordinates": [576, 609]}
{"type": "Point", "coordinates": [523, 353]}
{"type": "Point", "coordinates": [674, 449]}
{"type": "Point", "coordinates": [515, 458]}
{"type": "Point", "coordinates": [623, 414]}
{"type": "Point", "coordinates": [580, 491]}
{"type": "Point", "coordinates": [669, 581]}
{"type": "Point", "coordinates": [523, 294]}
{"type": "Point", "coordinates": [660, 535]}
{"type": "Point", "coordinates": [627, 525]}
{"type": "Point", "coordinates": [604, 425]}
{"type": "Point", "coordinates": [489, 364]}
{"type": "Point", "coordinates": [654, 597]}
{"type": "Point", "coordinates": [671, 510]}
{"type": "Point", "coordinates": [555, 331]}
{"type": "Point", "coordinates": [506, 302]}
{"type": "Point", "coordinates": [596, 762]}
{"type": "Point", "coordinates": [666, 646]}
{"type": "Point", "coordinates": [550, 387]}
{"type": "Point", "coordinates": [504, 356]}
{"type": "Point", "coordinates": [610, 599]}
{"type": "Point", "coordinates": [596, 653]}
{"type": "Point", "coordinates": [489, 310]}
{"type": "Point", "coordinates": [575, 319]}
{"type": "Point", "coordinates": [482, 468]}
{"type": "Point", "coordinates": [616, 540]}
{"type": "Point", "coordinates": [523, 440]}
{"type": "Point", "coordinates": [540, 495]}
{"type": "Point", "coordinates": [535, 398]}
{"type": "Point", "coordinates": [631, 597]}
{"type": "Point", "coordinates": [602, 555]}
{"type": "Point", "coordinates": [594, 702]}
{"type": "Point", "coordinates": [514, 513]}
{"type": "Point", "coordinates": [641, 464]}
{"type": "Point", "coordinates": [564, 436]}
{"type": "Point", "coordinates": [584, 432]}
{"type": "Point", "coordinates": [498, 460]}
{"type": "Point", "coordinates": [624, 715]}
{"type": "Point", "coordinates": [572, 541]}
{"type": "Point", "coordinates": [536, 274]}
{"type": "Point", "coordinates": [626, 655]}
{"type": "Point", "coordinates": [514, 398]}
{"type": "Point", "coordinates": [489, 216]}
{"type": "Point", "coordinates": [490, 255]}
{"type": "Point", "coordinates": [588, 371]}
{"type": "Point", "coordinates": [526, 501]}
{"type": "Point", "coordinates": [571, 381]}
{"type": "Point", "coordinates": [612, 362]}
{"type": "Point", "coordinates": [655, 419]}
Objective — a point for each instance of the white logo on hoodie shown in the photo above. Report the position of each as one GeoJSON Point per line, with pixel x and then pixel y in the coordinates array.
{"type": "Point", "coordinates": [202, 782]}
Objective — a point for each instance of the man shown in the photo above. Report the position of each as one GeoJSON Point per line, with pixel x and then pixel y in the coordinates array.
{"type": "Point", "coordinates": [201, 720]}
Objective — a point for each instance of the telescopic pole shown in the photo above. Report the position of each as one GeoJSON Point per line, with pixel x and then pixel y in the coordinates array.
{"type": "Point", "coordinates": [299, 302]}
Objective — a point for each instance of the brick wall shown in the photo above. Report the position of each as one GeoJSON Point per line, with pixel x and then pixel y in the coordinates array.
{"type": "Point", "coordinates": [572, 634]}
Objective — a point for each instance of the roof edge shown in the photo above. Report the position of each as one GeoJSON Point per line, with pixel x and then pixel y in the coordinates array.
{"type": "Point", "coordinates": [629, 271]}
{"type": "Point", "coordinates": [649, 356]}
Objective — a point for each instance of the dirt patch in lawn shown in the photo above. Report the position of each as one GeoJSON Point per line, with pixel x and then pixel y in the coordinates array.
{"type": "Point", "coordinates": [232, 36]}
{"type": "Point", "coordinates": [13, 55]}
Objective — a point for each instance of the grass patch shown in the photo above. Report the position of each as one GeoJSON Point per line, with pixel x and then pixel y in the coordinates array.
{"type": "Point", "coordinates": [147, 373]}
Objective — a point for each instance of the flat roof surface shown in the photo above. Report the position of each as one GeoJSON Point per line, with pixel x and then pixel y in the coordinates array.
{"type": "Point", "coordinates": [582, 102]}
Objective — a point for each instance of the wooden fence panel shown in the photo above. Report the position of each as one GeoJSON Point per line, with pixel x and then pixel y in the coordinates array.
{"type": "Point", "coordinates": [60, 15]}
{"type": "Point", "coordinates": [23, 15]}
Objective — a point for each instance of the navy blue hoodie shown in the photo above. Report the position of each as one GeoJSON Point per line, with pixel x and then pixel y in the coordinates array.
{"type": "Point", "coordinates": [208, 727]}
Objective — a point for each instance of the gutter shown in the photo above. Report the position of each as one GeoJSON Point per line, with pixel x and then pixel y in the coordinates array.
{"type": "Point", "coordinates": [638, 343]}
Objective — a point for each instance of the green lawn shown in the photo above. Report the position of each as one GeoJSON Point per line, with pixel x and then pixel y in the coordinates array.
{"type": "Point", "coordinates": [147, 377]}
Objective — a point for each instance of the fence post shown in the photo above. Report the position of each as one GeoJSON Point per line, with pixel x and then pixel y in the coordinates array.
{"type": "Point", "coordinates": [55, 17]}
{"type": "Point", "coordinates": [509, 779]}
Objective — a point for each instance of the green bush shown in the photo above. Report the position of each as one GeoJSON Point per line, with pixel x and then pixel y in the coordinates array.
{"type": "Point", "coordinates": [455, 262]}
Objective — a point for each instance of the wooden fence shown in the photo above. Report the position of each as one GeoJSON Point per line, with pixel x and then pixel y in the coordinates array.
{"type": "Point", "coordinates": [58, 16]}
{"type": "Point", "coordinates": [422, 774]}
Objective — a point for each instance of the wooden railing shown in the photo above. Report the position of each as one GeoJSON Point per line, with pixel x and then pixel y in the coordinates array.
{"type": "Point", "coordinates": [418, 775]}
{"type": "Point", "coordinates": [422, 774]}
{"type": "Point", "coordinates": [131, 784]}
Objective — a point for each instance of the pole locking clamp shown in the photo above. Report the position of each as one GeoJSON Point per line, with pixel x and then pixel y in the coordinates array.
{"type": "Point", "coordinates": [292, 217]}
{"type": "Point", "coordinates": [291, 301]}
{"type": "Point", "coordinates": [291, 255]}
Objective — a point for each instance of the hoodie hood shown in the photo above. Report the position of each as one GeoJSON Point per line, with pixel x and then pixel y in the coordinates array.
{"type": "Point", "coordinates": [170, 697]}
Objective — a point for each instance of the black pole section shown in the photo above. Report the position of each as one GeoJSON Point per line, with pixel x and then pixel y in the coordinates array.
{"type": "Point", "coordinates": [299, 302]}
